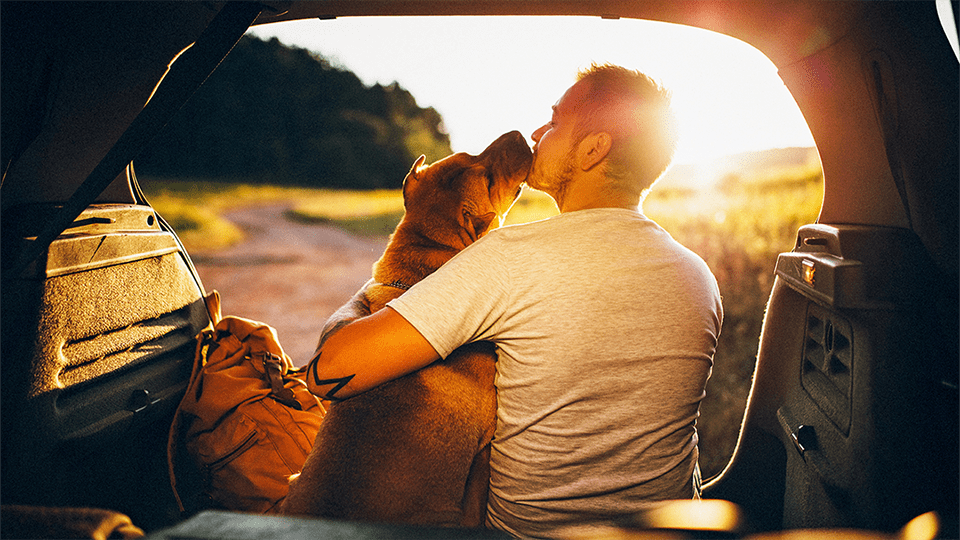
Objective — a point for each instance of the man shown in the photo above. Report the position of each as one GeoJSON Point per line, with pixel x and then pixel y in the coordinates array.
{"type": "Point", "coordinates": [605, 326]}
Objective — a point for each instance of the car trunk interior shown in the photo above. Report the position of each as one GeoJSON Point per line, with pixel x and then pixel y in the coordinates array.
{"type": "Point", "coordinates": [852, 417]}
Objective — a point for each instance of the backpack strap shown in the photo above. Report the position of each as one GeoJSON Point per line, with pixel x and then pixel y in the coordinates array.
{"type": "Point", "coordinates": [273, 368]}
{"type": "Point", "coordinates": [183, 79]}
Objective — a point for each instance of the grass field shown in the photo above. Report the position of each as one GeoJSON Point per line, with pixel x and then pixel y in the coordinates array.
{"type": "Point", "coordinates": [739, 232]}
{"type": "Point", "coordinates": [738, 229]}
{"type": "Point", "coordinates": [194, 207]}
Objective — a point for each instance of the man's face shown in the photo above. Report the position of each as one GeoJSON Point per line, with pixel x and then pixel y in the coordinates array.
{"type": "Point", "coordinates": [553, 151]}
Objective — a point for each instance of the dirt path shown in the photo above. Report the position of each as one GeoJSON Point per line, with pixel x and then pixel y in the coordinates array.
{"type": "Point", "coordinates": [289, 275]}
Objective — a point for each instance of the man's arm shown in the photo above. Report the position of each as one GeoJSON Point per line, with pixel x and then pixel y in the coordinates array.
{"type": "Point", "coordinates": [356, 307]}
{"type": "Point", "coordinates": [368, 352]}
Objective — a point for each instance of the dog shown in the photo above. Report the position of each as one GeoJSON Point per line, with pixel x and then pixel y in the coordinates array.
{"type": "Point", "coordinates": [416, 450]}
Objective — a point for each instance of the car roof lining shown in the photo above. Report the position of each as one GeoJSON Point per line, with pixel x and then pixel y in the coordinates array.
{"type": "Point", "coordinates": [803, 28]}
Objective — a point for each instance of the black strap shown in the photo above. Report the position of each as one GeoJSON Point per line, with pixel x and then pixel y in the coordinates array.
{"type": "Point", "coordinates": [184, 78]}
{"type": "Point", "coordinates": [273, 371]}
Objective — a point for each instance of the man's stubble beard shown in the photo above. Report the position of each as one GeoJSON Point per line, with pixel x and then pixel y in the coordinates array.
{"type": "Point", "coordinates": [554, 185]}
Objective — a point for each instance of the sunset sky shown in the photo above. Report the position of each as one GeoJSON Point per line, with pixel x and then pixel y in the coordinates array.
{"type": "Point", "coordinates": [489, 75]}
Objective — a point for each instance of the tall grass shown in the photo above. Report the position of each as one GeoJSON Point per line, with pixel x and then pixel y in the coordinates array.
{"type": "Point", "coordinates": [738, 228]}
{"type": "Point", "coordinates": [738, 231]}
{"type": "Point", "coordinates": [371, 213]}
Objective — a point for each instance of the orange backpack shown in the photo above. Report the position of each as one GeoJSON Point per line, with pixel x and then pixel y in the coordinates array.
{"type": "Point", "coordinates": [246, 422]}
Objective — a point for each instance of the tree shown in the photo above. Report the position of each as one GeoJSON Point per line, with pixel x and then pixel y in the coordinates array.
{"type": "Point", "coordinates": [277, 114]}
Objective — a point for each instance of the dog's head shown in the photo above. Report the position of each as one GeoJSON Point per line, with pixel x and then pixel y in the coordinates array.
{"type": "Point", "coordinates": [471, 194]}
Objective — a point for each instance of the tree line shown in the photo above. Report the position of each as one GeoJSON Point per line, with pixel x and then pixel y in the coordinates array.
{"type": "Point", "coordinates": [271, 113]}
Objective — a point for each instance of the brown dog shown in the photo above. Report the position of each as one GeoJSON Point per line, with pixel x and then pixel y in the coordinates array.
{"type": "Point", "coordinates": [416, 450]}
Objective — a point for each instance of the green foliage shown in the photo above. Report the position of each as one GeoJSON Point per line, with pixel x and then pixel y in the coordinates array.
{"type": "Point", "coordinates": [276, 114]}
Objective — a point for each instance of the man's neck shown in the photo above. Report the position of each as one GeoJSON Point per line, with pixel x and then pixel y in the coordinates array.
{"type": "Point", "coordinates": [593, 192]}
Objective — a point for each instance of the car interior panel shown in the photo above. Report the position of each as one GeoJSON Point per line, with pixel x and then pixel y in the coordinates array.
{"type": "Point", "coordinates": [852, 418]}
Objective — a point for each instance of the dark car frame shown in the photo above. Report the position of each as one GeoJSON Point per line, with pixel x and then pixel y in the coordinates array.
{"type": "Point", "coordinates": [852, 418]}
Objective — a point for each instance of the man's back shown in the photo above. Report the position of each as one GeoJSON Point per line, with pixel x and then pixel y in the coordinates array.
{"type": "Point", "coordinates": [606, 329]}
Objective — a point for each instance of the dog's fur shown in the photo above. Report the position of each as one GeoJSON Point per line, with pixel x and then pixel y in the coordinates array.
{"type": "Point", "coordinates": [416, 450]}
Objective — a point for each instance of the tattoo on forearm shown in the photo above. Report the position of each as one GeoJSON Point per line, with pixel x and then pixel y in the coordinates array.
{"type": "Point", "coordinates": [340, 382]}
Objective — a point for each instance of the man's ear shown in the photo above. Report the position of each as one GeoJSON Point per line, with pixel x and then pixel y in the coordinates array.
{"type": "Point", "coordinates": [414, 175]}
{"type": "Point", "coordinates": [593, 149]}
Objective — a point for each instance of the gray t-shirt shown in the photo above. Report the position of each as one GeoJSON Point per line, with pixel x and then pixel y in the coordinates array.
{"type": "Point", "coordinates": [605, 328]}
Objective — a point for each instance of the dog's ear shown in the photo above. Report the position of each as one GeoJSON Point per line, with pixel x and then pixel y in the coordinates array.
{"type": "Point", "coordinates": [476, 226]}
{"type": "Point", "coordinates": [414, 175]}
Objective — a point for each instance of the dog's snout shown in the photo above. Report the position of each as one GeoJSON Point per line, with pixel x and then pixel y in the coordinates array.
{"type": "Point", "coordinates": [512, 144]}
{"type": "Point", "coordinates": [524, 154]}
{"type": "Point", "coordinates": [509, 156]}
{"type": "Point", "coordinates": [516, 138]}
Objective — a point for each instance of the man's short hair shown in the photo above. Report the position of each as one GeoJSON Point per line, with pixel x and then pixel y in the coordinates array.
{"type": "Point", "coordinates": [635, 110]}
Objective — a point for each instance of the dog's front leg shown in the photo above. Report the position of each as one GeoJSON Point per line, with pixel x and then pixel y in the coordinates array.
{"type": "Point", "coordinates": [358, 306]}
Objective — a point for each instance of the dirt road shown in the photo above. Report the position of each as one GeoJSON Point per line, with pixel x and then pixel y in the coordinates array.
{"type": "Point", "coordinates": [289, 275]}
